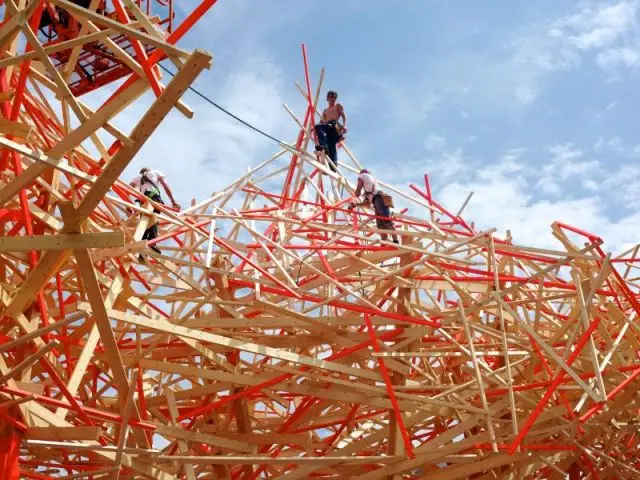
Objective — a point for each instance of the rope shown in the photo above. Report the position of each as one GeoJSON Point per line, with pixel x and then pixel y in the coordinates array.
{"type": "Point", "coordinates": [235, 117]}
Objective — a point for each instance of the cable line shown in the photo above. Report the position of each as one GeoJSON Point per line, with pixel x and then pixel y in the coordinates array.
{"type": "Point", "coordinates": [235, 117]}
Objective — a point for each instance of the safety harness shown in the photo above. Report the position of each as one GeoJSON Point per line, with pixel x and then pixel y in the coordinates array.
{"type": "Point", "coordinates": [156, 191]}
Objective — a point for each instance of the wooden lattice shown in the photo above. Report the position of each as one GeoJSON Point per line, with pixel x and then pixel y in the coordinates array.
{"type": "Point", "coordinates": [276, 335]}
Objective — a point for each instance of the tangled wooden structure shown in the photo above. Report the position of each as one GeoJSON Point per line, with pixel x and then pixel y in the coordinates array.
{"type": "Point", "coordinates": [275, 336]}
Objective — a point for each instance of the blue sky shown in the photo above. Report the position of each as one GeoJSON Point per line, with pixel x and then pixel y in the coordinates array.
{"type": "Point", "coordinates": [530, 105]}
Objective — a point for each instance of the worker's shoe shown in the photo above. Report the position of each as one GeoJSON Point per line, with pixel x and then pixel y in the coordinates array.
{"type": "Point", "coordinates": [319, 148]}
{"type": "Point", "coordinates": [155, 249]}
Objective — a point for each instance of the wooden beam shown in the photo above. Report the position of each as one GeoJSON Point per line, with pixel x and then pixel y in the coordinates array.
{"type": "Point", "coordinates": [15, 129]}
{"type": "Point", "coordinates": [45, 160]}
{"type": "Point", "coordinates": [61, 241]}
{"type": "Point", "coordinates": [262, 460]}
{"type": "Point", "coordinates": [63, 433]}
{"type": "Point", "coordinates": [166, 327]}
{"type": "Point", "coordinates": [196, 62]}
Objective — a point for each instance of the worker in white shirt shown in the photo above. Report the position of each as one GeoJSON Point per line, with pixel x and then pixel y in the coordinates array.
{"type": "Point", "coordinates": [368, 187]}
{"type": "Point", "coordinates": [147, 183]}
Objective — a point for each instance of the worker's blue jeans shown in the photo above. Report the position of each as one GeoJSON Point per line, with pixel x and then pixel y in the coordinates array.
{"type": "Point", "coordinates": [328, 138]}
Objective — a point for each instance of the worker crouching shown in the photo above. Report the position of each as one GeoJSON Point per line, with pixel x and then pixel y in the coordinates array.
{"type": "Point", "coordinates": [382, 203]}
{"type": "Point", "coordinates": [147, 184]}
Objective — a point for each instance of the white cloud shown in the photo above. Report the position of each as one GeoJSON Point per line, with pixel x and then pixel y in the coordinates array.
{"type": "Point", "coordinates": [206, 153]}
{"type": "Point", "coordinates": [511, 71]}
{"type": "Point", "coordinates": [244, 25]}
{"type": "Point", "coordinates": [565, 167]}
{"type": "Point", "coordinates": [402, 108]}
{"type": "Point", "coordinates": [618, 146]}
{"type": "Point", "coordinates": [549, 185]}
{"type": "Point", "coordinates": [442, 166]}
{"type": "Point", "coordinates": [619, 57]}
{"type": "Point", "coordinates": [507, 194]}
{"type": "Point", "coordinates": [609, 108]}
{"type": "Point", "coordinates": [601, 27]}
{"type": "Point", "coordinates": [543, 50]}
{"type": "Point", "coordinates": [509, 68]}
{"type": "Point", "coordinates": [622, 185]}
{"type": "Point", "coordinates": [525, 94]}
{"type": "Point", "coordinates": [564, 152]}
{"type": "Point", "coordinates": [447, 165]}
{"type": "Point", "coordinates": [607, 34]}
{"type": "Point", "coordinates": [434, 142]}
{"type": "Point", "coordinates": [614, 143]}
{"type": "Point", "coordinates": [504, 200]}
{"type": "Point", "coordinates": [596, 28]}
{"type": "Point", "coordinates": [407, 108]}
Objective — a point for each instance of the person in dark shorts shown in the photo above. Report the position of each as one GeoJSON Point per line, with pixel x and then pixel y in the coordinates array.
{"type": "Point", "coordinates": [330, 131]}
{"type": "Point", "coordinates": [146, 182]}
{"type": "Point", "coordinates": [367, 186]}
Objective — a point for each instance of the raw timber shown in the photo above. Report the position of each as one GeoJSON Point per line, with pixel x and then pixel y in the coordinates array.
{"type": "Point", "coordinates": [275, 336]}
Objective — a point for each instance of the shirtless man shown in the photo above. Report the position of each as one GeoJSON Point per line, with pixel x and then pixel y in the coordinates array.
{"type": "Point", "coordinates": [329, 131]}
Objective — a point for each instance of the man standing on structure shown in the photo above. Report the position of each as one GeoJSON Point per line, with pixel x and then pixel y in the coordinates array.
{"type": "Point", "coordinates": [329, 131]}
{"type": "Point", "coordinates": [147, 184]}
{"type": "Point", "coordinates": [368, 186]}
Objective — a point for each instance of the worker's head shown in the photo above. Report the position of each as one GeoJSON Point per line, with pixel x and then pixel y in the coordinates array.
{"type": "Point", "coordinates": [332, 96]}
{"type": "Point", "coordinates": [144, 170]}
{"type": "Point", "coordinates": [364, 170]}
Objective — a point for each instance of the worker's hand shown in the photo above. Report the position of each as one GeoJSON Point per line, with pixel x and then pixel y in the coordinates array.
{"type": "Point", "coordinates": [351, 206]}
{"type": "Point", "coordinates": [344, 130]}
{"type": "Point", "coordinates": [176, 206]}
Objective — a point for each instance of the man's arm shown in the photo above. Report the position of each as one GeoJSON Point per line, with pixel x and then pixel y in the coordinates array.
{"type": "Point", "coordinates": [356, 195]}
{"type": "Point", "coordinates": [169, 192]}
{"type": "Point", "coordinates": [359, 188]}
{"type": "Point", "coordinates": [342, 115]}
